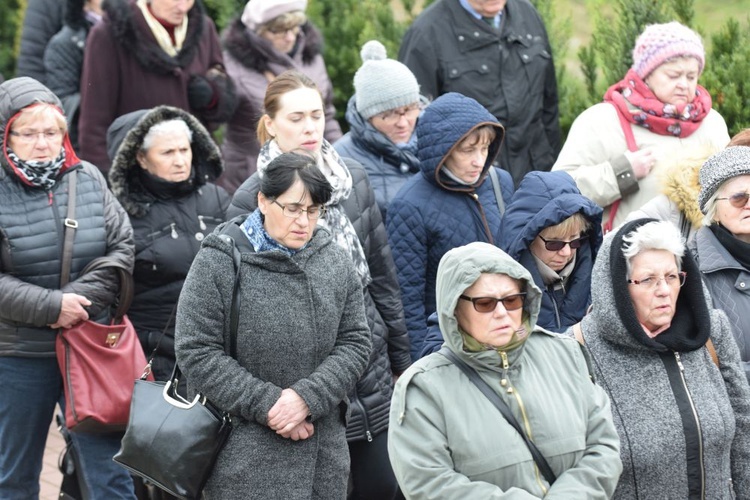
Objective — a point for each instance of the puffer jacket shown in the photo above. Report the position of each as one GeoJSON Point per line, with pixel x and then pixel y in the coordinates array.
{"type": "Point", "coordinates": [432, 213]}
{"type": "Point", "coordinates": [545, 199]}
{"type": "Point", "coordinates": [42, 19]}
{"type": "Point", "coordinates": [168, 227]}
{"type": "Point", "coordinates": [658, 386]}
{"type": "Point", "coordinates": [447, 440]}
{"type": "Point", "coordinates": [388, 166]}
{"type": "Point", "coordinates": [729, 283]}
{"type": "Point", "coordinates": [31, 236]}
{"type": "Point", "coordinates": [371, 398]}
{"type": "Point", "coordinates": [250, 61]}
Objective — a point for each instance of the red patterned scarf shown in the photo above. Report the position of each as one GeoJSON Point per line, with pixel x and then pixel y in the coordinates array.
{"type": "Point", "coordinates": [635, 101]}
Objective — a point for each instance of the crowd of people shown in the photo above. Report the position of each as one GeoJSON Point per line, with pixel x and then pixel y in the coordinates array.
{"type": "Point", "coordinates": [444, 302]}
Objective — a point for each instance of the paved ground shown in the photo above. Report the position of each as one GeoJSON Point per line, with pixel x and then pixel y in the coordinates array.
{"type": "Point", "coordinates": [51, 477]}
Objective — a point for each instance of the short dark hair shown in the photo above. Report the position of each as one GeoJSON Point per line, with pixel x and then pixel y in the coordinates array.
{"type": "Point", "coordinates": [286, 168]}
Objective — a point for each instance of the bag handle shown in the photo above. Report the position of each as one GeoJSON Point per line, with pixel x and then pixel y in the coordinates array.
{"type": "Point", "coordinates": [496, 400]}
{"type": "Point", "coordinates": [126, 282]}
{"type": "Point", "coordinates": [71, 224]}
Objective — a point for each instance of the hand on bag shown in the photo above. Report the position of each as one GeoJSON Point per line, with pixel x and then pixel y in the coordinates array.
{"type": "Point", "coordinates": [302, 431]}
{"type": "Point", "coordinates": [288, 412]}
{"type": "Point", "coordinates": [72, 311]}
{"type": "Point", "coordinates": [642, 161]}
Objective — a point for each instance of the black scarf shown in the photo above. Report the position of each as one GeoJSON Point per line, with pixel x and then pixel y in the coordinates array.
{"type": "Point", "coordinates": [166, 190]}
{"type": "Point", "coordinates": [736, 247]}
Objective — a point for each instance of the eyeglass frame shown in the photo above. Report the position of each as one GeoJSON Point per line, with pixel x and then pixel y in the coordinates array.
{"type": "Point", "coordinates": [322, 211]}
{"type": "Point", "coordinates": [386, 116]}
{"type": "Point", "coordinates": [282, 32]}
{"type": "Point", "coordinates": [33, 138]}
{"type": "Point", "coordinates": [578, 243]}
{"type": "Point", "coordinates": [648, 286]}
{"type": "Point", "coordinates": [474, 300]}
{"type": "Point", "coordinates": [737, 196]}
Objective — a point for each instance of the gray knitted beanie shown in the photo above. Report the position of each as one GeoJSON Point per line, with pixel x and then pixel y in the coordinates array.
{"type": "Point", "coordinates": [381, 84]}
{"type": "Point", "coordinates": [727, 163]}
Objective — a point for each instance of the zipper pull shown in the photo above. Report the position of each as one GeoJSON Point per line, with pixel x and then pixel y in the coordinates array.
{"type": "Point", "coordinates": [202, 224]}
{"type": "Point", "coordinates": [679, 361]}
{"type": "Point", "coordinates": [174, 231]}
{"type": "Point", "coordinates": [504, 381]}
{"type": "Point", "coordinates": [369, 436]}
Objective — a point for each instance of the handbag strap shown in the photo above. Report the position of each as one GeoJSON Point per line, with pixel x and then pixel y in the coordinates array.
{"type": "Point", "coordinates": [126, 282]}
{"type": "Point", "coordinates": [71, 224]}
{"type": "Point", "coordinates": [498, 192]}
{"type": "Point", "coordinates": [496, 400]}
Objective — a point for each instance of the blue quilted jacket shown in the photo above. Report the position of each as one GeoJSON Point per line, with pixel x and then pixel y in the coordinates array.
{"type": "Point", "coordinates": [432, 214]}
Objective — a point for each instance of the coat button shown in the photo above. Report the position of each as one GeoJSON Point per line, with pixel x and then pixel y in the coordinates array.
{"type": "Point", "coordinates": [199, 236]}
{"type": "Point", "coordinates": [742, 285]}
{"type": "Point", "coordinates": [525, 57]}
{"type": "Point", "coordinates": [528, 35]}
{"type": "Point", "coordinates": [484, 67]}
{"type": "Point", "coordinates": [476, 33]}
{"type": "Point", "coordinates": [461, 38]}
{"type": "Point", "coordinates": [454, 72]}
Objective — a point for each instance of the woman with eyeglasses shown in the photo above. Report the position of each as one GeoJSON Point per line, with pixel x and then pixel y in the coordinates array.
{"type": "Point", "coordinates": [270, 37]}
{"type": "Point", "coordinates": [722, 245]}
{"type": "Point", "coordinates": [302, 342]}
{"type": "Point", "coordinates": [382, 116]}
{"type": "Point", "coordinates": [447, 440]}
{"type": "Point", "coordinates": [669, 363]}
{"type": "Point", "coordinates": [293, 120]}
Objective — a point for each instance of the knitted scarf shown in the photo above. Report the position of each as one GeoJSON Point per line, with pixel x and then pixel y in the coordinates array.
{"type": "Point", "coordinates": [635, 101]}
{"type": "Point", "coordinates": [41, 174]}
{"type": "Point", "coordinates": [160, 32]}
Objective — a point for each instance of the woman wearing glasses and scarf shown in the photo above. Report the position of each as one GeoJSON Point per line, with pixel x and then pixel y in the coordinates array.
{"type": "Point", "coordinates": [447, 440]}
{"type": "Point", "coordinates": [683, 417]}
{"type": "Point", "coordinates": [722, 246]}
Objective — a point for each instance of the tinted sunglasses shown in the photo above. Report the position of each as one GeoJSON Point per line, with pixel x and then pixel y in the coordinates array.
{"type": "Point", "coordinates": [488, 304]}
{"type": "Point", "coordinates": [737, 200]}
{"type": "Point", "coordinates": [557, 245]}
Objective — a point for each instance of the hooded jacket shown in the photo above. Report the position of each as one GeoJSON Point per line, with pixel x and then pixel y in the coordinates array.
{"type": "Point", "coordinates": [251, 60]}
{"type": "Point", "coordinates": [32, 233]}
{"type": "Point", "coordinates": [301, 326]}
{"type": "Point", "coordinates": [447, 440]}
{"type": "Point", "coordinates": [545, 199]}
{"type": "Point", "coordinates": [168, 227]}
{"type": "Point", "coordinates": [432, 213]}
{"type": "Point", "coordinates": [658, 386]}
{"type": "Point", "coordinates": [128, 71]}
{"type": "Point", "coordinates": [388, 166]}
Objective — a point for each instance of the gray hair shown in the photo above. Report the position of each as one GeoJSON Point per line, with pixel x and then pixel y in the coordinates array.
{"type": "Point", "coordinates": [163, 128]}
{"type": "Point", "coordinates": [661, 235]}
{"type": "Point", "coordinates": [712, 206]}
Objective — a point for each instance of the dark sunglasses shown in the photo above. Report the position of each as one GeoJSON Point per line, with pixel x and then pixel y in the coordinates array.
{"type": "Point", "coordinates": [557, 245]}
{"type": "Point", "coordinates": [488, 304]}
{"type": "Point", "coordinates": [737, 200]}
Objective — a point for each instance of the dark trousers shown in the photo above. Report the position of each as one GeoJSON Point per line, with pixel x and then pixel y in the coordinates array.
{"type": "Point", "coordinates": [371, 473]}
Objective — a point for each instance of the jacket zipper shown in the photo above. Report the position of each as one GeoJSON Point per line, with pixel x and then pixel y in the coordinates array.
{"type": "Point", "coordinates": [504, 382]}
{"type": "Point", "coordinates": [697, 422]}
{"type": "Point", "coordinates": [368, 434]}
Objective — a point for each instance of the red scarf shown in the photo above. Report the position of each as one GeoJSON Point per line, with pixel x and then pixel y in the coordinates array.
{"type": "Point", "coordinates": [660, 118]}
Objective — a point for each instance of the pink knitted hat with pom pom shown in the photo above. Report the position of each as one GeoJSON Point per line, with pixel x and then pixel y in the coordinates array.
{"type": "Point", "coordinates": [660, 42]}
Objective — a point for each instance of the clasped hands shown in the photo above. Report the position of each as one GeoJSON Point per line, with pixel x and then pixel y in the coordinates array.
{"type": "Point", "coordinates": [72, 311]}
{"type": "Point", "coordinates": [288, 417]}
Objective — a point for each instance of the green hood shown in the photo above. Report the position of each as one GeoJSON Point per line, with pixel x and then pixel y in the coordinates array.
{"type": "Point", "coordinates": [460, 268]}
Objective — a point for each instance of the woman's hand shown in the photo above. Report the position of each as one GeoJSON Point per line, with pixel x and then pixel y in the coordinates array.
{"type": "Point", "coordinates": [72, 311]}
{"type": "Point", "coordinates": [642, 161]}
{"type": "Point", "coordinates": [302, 431]}
{"type": "Point", "coordinates": [288, 412]}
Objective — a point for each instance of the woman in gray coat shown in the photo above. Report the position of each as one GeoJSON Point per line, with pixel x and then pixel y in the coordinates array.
{"type": "Point", "coordinates": [302, 341]}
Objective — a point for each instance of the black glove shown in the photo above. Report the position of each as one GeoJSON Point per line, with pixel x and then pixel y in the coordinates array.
{"type": "Point", "coordinates": [200, 92]}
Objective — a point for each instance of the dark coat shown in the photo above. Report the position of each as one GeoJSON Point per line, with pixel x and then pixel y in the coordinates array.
{"type": "Point", "coordinates": [42, 19]}
{"type": "Point", "coordinates": [388, 166]}
{"type": "Point", "coordinates": [168, 229]}
{"type": "Point", "coordinates": [31, 236]}
{"type": "Point", "coordinates": [250, 61]}
{"type": "Point", "coordinates": [432, 214]}
{"type": "Point", "coordinates": [126, 70]}
{"type": "Point", "coordinates": [509, 71]}
{"type": "Point", "coordinates": [302, 326]}
{"type": "Point", "coordinates": [370, 401]}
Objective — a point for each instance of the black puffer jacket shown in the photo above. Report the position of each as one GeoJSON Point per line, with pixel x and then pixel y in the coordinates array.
{"type": "Point", "coordinates": [169, 227]}
{"type": "Point", "coordinates": [371, 400]}
{"type": "Point", "coordinates": [31, 236]}
{"type": "Point", "coordinates": [42, 20]}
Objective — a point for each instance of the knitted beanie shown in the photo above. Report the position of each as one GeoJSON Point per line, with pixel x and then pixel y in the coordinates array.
{"type": "Point", "coordinates": [259, 12]}
{"type": "Point", "coordinates": [724, 165]}
{"type": "Point", "coordinates": [660, 42]}
{"type": "Point", "coordinates": [381, 84]}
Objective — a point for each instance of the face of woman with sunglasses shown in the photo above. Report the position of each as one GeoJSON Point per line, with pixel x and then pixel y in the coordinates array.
{"type": "Point", "coordinates": [734, 213]}
{"type": "Point", "coordinates": [555, 259]}
{"type": "Point", "coordinates": [496, 327]}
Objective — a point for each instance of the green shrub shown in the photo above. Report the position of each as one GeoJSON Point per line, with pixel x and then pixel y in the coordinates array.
{"type": "Point", "coordinates": [11, 18]}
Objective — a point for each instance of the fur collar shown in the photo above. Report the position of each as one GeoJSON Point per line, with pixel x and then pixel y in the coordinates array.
{"type": "Point", "coordinates": [680, 181]}
{"type": "Point", "coordinates": [257, 53]}
{"type": "Point", "coordinates": [131, 32]}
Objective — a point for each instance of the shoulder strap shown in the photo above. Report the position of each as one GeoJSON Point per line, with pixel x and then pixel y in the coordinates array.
{"type": "Point", "coordinates": [71, 224]}
{"type": "Point", "coordinates": [498, 192]}
{"type": "Point", "coordinates": [632, 146]}
{"type": "Point", "coordinates": [712, 352]}
{"type": "Point", "coordinates": [578, 333]}
{"type": "Point", "coordinates": [496, 400]}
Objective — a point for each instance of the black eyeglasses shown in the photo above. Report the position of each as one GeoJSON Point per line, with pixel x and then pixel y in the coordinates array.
{"type": "Point", "coordinates": [488, 304]}
{"type": "Point", "coordinates": [293, 211]}
{"type": "Point", "coordinates": [737, 200]}
{"type": "Point", "coordinates": [557, 245]}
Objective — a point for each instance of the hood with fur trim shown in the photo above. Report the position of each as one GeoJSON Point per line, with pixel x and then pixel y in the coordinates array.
{"type": "Point", "coordinates": [124, 140]}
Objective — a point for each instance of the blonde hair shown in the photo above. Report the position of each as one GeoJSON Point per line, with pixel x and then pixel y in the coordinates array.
{"type": "Point", "coordinates": [576, 223]}
{"type": "Point", "coordinates": [42, 109]}
{"type": "Point", "coordinates": [282, 22]}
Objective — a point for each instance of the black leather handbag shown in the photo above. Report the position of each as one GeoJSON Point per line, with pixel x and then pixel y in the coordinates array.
{"type": "Point", "coordinates": [171, 442]}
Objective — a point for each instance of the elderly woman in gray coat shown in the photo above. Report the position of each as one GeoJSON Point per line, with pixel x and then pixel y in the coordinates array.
{"type": "Point", "coordinates": [302, 341]}
{"type": "Point", "coordinates": [683, 417]}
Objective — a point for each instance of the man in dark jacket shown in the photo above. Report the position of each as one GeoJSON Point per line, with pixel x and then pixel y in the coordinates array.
{"type": "Point", "coordinates": [453, 47]}
{"type": "Point", "coordinates": [42, 20]}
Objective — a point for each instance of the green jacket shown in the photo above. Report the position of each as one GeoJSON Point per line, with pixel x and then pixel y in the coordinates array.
{"type": "Point", "coordinates": [446, 440]}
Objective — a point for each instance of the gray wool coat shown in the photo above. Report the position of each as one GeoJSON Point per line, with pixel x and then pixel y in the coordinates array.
{"type": "Point", "coordinates": [302, 326]}
{"type": "Point", "coordinates": [654, 444]}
